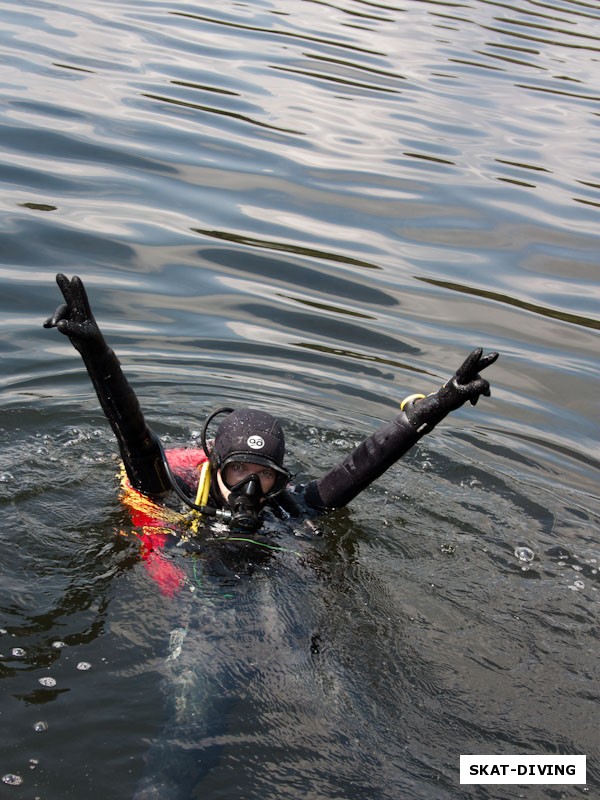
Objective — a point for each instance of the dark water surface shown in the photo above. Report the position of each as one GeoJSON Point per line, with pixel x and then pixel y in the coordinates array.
{"type": "Point", "coordinates": [317, 208]}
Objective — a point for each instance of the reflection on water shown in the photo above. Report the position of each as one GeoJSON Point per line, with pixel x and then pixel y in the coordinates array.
{"type": "Point", "coordinates": [554, 313]}
{"type": "Point", "coordinates": [322, 208]}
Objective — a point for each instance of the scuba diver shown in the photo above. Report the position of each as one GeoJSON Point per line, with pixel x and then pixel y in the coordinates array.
{"type": "Point", "coordinates": [239, 480]}
{"type": "Point", "coordinates": [241, 473]}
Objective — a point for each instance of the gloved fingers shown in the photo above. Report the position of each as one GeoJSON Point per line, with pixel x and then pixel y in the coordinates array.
{"type": "Point", "coordinates": [64, 284]}
{"type": "Point", "coordinates": [488, 360]}
{"type": "Point", "coordinates": [477, 388]}
{"type": "Point", "coordinates": [474, 363]}
{"type": "Point", "coordinates": [469, 368]}
{"type": "Point", "coordinates": [80, 298]}
{"type": "Point", "coordinates": [74, 293]}
{"type": "Point", "coordinates": [70, 329]}
{"type": "Point", "coordinates": [61, 312]}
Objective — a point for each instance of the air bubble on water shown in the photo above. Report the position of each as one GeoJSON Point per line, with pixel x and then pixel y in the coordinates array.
{"type": "Point", "coordinates": [577, 567]}
{"type": "Point", "coordinates": [18, 652]}
{"type": "Point", "coordinates": [12, 780]}
{"type": "Point", "coordinates": [2, 631]}
{"type": "Point", "coordinates": [525, 554]}
{"type": "Point", "coordinates": [58, 645]}
{"type": "Point", "coordinates": [84, 665]}
{"type": "Point", "coordinates": [448, 549]}
{"type": "Point", "coordinates": [33, 762]}
{"type": "Point", "coordinates": [343, 443]}
{"type": "Point", "coordinates": [577, 586]}
{"type": "Point", "coordinates": [47, 681]}
{"type": "Point", "coordinates": [40, 726]}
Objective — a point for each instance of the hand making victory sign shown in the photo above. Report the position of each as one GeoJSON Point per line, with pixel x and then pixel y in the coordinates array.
{"type": "Point", "coordinates": [74, 318]}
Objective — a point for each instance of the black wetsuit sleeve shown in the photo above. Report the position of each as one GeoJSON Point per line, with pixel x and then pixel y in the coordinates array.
{"type": "Point", "coordinates": [383, 448]}
{"type": "Point", "coordinates": [139, 446]}
{"type": "Point", "coordinates": [366, 463]}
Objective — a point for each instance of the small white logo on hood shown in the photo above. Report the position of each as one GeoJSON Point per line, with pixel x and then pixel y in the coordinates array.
{"type": "Point", "coordinates": [256, 442]}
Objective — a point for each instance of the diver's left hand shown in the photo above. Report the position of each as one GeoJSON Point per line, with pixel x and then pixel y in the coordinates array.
{"type": "Point", "coordinates": [465, 385]}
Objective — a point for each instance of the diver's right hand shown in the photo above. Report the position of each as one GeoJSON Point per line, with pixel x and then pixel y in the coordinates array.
{"type": "Point", "coordinates": [74, 318]}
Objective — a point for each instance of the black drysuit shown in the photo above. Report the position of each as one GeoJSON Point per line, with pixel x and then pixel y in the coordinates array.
{"type": "Point", "coordinates": [142, 452]}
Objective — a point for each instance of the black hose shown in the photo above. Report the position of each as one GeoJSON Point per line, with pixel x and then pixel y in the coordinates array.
{"type": "Point", "coordinates": [208, 511]}
{"type": "Point", "coordinates": [209, 419]}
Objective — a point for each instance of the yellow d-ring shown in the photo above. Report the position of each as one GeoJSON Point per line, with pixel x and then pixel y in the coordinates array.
{"type": "Point", "coordinates": [410, 399]}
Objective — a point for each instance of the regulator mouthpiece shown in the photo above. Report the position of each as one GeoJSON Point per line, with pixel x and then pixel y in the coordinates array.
{"type": "Point", "coordinates": [245, 501]}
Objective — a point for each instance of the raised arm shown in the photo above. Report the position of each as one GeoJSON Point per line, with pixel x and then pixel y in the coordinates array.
{"type": "Point", "coordinates": [418, 416]}
{"type": "Point", "coordinates": [139, 446]}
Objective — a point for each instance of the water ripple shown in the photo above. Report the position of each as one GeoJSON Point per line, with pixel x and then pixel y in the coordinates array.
{"type": "Point", "coordinates": [328, 204]}
{"type": "Point", "coordinates": [553, 313]}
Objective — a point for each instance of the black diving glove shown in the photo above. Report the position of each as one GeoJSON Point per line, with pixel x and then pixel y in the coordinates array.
{"type": "Point", "coordinates": [466, 384]}
{"type": "Point", "coordinates": [75, 318]}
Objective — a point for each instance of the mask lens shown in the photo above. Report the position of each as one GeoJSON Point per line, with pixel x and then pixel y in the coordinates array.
{"type": "Point", "coordinates": [237, 472]}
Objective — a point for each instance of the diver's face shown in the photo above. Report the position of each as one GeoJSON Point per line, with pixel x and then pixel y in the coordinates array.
{"type": "Point", "coordinates": [237, 471]}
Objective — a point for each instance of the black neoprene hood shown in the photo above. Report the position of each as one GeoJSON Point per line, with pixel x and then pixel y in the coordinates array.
{"type": "Point", "coordinates": [252, 436]}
